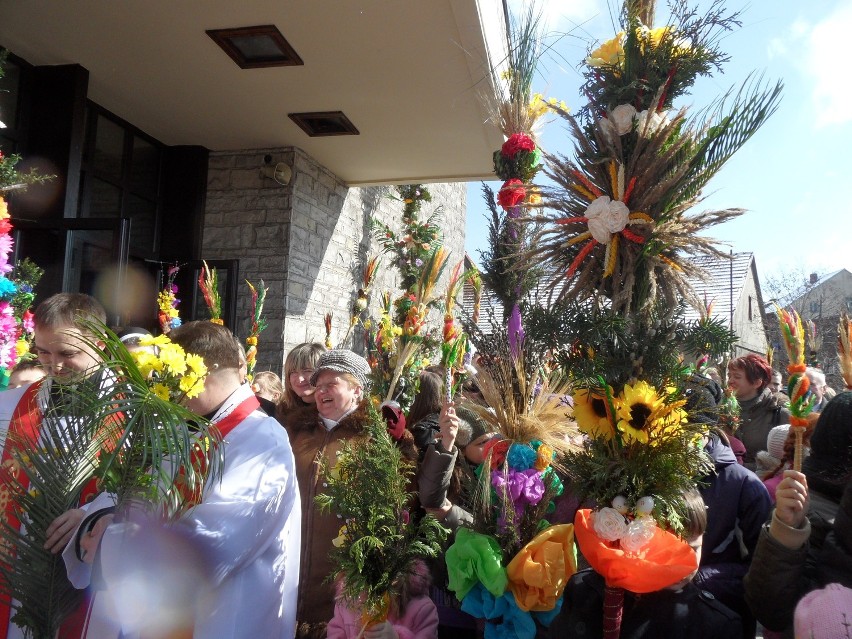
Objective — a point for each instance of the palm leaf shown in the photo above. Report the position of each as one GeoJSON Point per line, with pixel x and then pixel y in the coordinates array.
{"type": "Point", "coordinates": [138, 445]}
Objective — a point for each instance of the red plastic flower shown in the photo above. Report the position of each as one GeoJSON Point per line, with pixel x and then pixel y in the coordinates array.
{"type": "Point", "coordinates": [512, 193]}
{"type": "Point", "coordinates": [517, 142]}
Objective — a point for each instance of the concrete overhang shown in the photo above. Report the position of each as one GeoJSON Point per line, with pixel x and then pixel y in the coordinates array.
{"type": "Point", "coordinates": [409, 74]}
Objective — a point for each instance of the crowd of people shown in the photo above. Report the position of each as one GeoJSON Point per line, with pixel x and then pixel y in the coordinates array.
{"type": "Point", "coordinates": [252, 558]}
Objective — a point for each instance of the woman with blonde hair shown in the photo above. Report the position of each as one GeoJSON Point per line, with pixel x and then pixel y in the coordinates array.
{"type": "Point", "coordinates": [298, 368]}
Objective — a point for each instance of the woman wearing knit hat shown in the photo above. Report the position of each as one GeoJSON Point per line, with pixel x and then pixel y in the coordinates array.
{"type": "Point", "coordinates": [808, 541]}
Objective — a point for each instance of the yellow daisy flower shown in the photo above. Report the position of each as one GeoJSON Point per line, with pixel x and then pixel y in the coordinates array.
{"type": "Point", "coordinates": [174, 358]}
{"type": "Point", "coordinates": [196, 365]}
{"type": "Point", "coordinates": [161, 391]}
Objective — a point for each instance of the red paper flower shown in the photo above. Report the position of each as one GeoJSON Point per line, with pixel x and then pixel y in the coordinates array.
{"type": "Point", "coordinates": [498, 449]}
{"type": "Point", "coordinates": [512, 193]}
{"type": "Point", "coordinates": [517, 142]}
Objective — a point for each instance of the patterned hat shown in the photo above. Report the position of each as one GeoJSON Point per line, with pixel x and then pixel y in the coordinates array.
{"type": "Point", "coordinates": [825, 613]}
{"type": "Point", "coordinates": [343, 361]}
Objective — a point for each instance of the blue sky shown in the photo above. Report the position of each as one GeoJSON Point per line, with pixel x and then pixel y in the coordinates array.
{"type": "Point", "coordinates": [793, 176]}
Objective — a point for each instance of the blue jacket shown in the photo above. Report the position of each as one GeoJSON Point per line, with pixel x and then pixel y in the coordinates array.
{"type": "Point", "coordinates": [737, 506]}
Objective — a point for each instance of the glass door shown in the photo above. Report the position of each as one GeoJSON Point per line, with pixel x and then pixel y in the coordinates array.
{"type": "Point", "coordinates": [79, 256]}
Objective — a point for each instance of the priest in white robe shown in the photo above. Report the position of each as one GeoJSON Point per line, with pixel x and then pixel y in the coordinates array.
{"type": "Point", "coordinates": [229, 567]}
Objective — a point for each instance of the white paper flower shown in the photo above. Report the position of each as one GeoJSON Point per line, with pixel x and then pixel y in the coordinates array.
{"type": "Point", "coordinates": [606, 217]}
{"type": "Point", "coordinates": [639, 534]}
{"type": "Point", "coordinates": [609, 524]}
{"type": "Point", "coordinates": [622, 118]}
{"type": "Point", "coordinates": [620, 504]}
{"type": "Point", "coordinates": [654, 120]}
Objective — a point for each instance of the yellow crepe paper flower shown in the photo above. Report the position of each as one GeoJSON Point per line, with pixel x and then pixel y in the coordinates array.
{"type": "Point", "coordinates": [610, 53]}
{"type": "Point", "coordinates": [590, 414]}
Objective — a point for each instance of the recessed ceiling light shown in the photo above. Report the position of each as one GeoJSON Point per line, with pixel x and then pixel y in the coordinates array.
{"type": "Point", "coordinates": [319, 124]}
{"type": "Point", "coordinates": [256, 47]}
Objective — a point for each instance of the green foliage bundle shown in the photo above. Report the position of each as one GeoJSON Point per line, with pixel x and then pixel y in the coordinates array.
{"type": "Point", "coordinates": [413, 246]}
{"type": "Point", "coordinates": [632, 67]}
{"type": "Point", "coordinates": [379, 542]}
{"type": "Point", "coordinates": [592, 343]}
{"type": "Point", "coordinates": [500, 260]}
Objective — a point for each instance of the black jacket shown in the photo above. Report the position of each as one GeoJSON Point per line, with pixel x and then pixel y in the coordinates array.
{"type": "Point", "coordinates": [689, 613]}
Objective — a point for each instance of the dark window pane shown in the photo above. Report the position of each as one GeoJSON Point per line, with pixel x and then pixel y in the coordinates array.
{"type": "Point", "coordinates": [143, 215]}
{"type": "Point", "coordinates": [9, 92]}
{"type": "Point", "coordinates": [101, 199]}
{"type": "Point", "coordinates": [145, 167]}
{"type": "Point", "coordinates": [109, 148]}
{"type": "Point", "coordinates": [7, 146]}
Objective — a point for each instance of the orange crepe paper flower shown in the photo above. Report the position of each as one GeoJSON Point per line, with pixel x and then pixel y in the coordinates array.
{"type": "Point", "coordinates": [539, 572]}
{"type": "Point", "coordinates": [664, 562]}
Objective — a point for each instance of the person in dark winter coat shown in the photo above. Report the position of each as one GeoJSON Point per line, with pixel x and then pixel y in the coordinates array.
{"type": "Point", "coordinates": [737, 506]}
{"type": "Point", "coordinates": [808, 542]}
{"type": "Point", "coordinates": [680, 611]}
{"type": "Point", "coordinates": [749, 376]}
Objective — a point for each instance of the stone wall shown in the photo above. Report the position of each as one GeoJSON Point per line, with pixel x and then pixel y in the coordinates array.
{"type": "Point", "coordinates": [308, 241]}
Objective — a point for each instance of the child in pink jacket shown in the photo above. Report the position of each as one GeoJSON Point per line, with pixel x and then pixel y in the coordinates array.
{"type": "Point", "coordinates": [412, 616]}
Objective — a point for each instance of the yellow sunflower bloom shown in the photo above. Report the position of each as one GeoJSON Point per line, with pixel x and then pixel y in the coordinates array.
{"type": "Point", "coordinates": [590, 414]}
{"type": "Point", "coordinates": [645, 417]}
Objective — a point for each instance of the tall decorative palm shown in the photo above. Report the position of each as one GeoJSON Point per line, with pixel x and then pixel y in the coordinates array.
{"type": "Point", "coordinates": [125, 435]}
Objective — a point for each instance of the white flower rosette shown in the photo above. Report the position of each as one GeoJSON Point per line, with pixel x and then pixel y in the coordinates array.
{"type": "Point", "coordinates": [639, 534]}
{"type": "Point", "coordinates": [619, 121]}
{"type": "Point", "coordinates": [609, 524]}
{"type": "Point", "coordinates": [651, 121]}
{"type": "Point", "coordinates": [606, 217]}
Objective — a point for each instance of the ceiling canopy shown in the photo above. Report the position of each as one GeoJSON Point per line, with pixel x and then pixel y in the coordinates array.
{"type": "Point", "coordinates": [410, 76]}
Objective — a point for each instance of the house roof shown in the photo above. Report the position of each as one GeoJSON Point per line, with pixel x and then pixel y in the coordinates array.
{"type": "Point", "coordinates": [723, 285]}
{"type": "Point", "coordinates": [806, 289]}
{"type": "Point", "coordinates": [409, 76]}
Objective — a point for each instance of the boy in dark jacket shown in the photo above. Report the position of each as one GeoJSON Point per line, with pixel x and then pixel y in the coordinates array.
{"type": "Point", "coordinates": [737, 505]}
{"type": "Point", "coordinates": [680, 611]}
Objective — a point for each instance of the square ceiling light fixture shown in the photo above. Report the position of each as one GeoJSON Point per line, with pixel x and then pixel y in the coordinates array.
{"type": "Point", "coordinates": [318, 124]}
{"type": "Point", "coordinates": [256, 47]}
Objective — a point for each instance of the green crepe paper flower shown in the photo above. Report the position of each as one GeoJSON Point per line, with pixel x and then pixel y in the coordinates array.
{"type": "Point", "coordinates": [472, 559]}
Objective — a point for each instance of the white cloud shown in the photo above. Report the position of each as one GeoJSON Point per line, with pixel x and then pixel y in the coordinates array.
{"type": "Point", "coordinates": [560, 15]}
{"type": "Point", "coordinates": [827, 64]}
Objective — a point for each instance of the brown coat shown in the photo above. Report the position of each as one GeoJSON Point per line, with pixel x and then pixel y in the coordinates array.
{"type": "Point", "coordinates": [311, 442]}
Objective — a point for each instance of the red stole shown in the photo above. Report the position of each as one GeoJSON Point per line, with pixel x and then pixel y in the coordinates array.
{"type": "Point", "coordinates": [24, 426]}
{"type": "Point", "coordinates": [219, 431]}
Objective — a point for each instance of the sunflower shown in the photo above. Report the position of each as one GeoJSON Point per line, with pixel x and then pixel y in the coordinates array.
{"type": "Point", "coordinates": [644, 416]}
{"type": "Point", "coordinates": [591, 414]}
